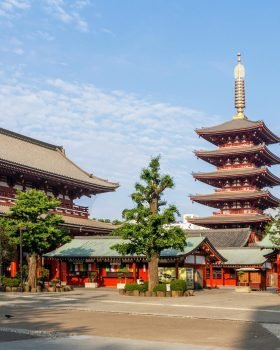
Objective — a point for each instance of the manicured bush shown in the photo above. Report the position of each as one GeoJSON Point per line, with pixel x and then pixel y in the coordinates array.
{"type": "Point", "coordinates": [160, 288]}
{"type": "Point", "coordinates": [178, 285]}
{"type": "Point", "coordinates": [130, 287]}
{"type": "Point", "coordinates": [10, 282]}
{"type": "Point", "coordinates": [143, 287]}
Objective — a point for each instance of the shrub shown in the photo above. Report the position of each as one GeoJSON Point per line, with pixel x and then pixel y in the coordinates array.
{"type": "Point", "coordinates": [178, 285]}
{"type": "Point", "coordinates": [130, 287]}
{"type": "Point", "coordinates": [54, 282]}
{"type": "Point", "coordinates": [143, 287]}
{"type": "Point", "coordinates": [160, 288]}
{"type": "Point", "coordinates": [10, 282]}
{"type": "Point", "coordinates": [44, 275]}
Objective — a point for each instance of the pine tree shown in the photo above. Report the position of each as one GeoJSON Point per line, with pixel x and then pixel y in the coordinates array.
{"type": "Point", "coordinates": [145, 225]}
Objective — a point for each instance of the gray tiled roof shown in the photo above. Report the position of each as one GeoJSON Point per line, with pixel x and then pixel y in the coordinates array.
{"type": "Point", "coordinates": [234, 124]}
{"type": "Point", "coordinates": [224, 237]}
{"type": "Point", "coordinates": [87, 223]}
{"type": "Point", "coordinates": [223, 219]}
{"type": "Point", "coordinates": [238, 125]}
{"type": "Point", "coordinates": [236, 172]}
{"type": "Point", "coordinates": [76, 222]}
{"type": "Point", "coordinates": [236, 195]}
{"type": "Point", "coordinates": [239, 150]}
{"type": "Point", "coordinates": [27, 152]}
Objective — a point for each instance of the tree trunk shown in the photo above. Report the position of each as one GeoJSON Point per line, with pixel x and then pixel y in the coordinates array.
{"type": "Point", "coordinates": [153, 272]}
{"type": "Point", "coordinates": [154, 205]}
{"type": "Point", "coordinates": [32, 270]}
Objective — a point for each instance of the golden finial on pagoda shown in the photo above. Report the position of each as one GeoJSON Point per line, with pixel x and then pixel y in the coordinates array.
{"type": "Point", "coordinates": [239, 101]}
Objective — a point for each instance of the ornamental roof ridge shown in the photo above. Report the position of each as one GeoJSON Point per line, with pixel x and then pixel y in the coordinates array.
{"type": "Point", "coordinates": [30, 140]}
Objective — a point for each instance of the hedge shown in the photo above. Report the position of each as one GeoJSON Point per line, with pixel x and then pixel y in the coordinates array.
{"type": "Point", "coordinates": [178, 285]}
{"type": "Point", "coordinates": [160, 288]}
{"type": "Point", "coordinates": [130, 287]}
{"type": "Point", "coordinates": [10, 282]}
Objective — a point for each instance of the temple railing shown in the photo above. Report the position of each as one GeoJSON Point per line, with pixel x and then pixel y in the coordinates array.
{"type": "Point", "coordinates": [73, 210]}
{"type": "Point", "coordinates": [238, 212]}
{"type": "Point", "coordinates": [64, 208]}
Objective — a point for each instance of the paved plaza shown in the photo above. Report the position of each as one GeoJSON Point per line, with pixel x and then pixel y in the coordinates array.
{"type": "Point", "coordinates": [102, 319]}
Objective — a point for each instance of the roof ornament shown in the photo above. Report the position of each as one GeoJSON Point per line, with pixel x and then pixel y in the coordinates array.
{"type": "Point", "coordinates": [239, 87]}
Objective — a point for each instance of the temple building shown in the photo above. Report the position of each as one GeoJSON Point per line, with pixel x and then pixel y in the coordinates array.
{"type": "Point", "coordinates": [241, 178]}
{"type": "Point", "coordinates": [27, 163]}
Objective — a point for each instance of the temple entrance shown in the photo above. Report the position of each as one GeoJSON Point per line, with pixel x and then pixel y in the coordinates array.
{"type": "Point", "coordinates": [198, 279]}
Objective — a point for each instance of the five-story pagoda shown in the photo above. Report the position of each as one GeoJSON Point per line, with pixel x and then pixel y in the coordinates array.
{"type": "Point", "coordinates": [242, 175]}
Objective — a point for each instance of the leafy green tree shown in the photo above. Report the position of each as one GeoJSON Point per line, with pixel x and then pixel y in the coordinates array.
{"type": "Point", "coordinates": [32, 216]}
{"type": "Point", "coordinates": [7, 248]}
{"type": "Point", "coordinates": [273, 229]}
{"type": "Point", "coordinates": [145, 229]}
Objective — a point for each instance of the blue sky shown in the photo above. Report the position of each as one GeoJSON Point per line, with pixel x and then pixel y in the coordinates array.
{"type": "Point", "coordinates": [116, 82]}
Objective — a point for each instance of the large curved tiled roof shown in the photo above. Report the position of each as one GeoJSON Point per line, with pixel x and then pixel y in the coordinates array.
{"type": "Point", "coordinates": [36, 155]}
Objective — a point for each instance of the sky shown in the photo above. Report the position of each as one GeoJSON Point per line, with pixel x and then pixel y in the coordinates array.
{"type": "Point", "coordinates": [118, 82]}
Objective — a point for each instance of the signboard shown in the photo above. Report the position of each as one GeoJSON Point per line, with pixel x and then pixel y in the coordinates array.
{"type": "Point", "coordinates": [189, 278]}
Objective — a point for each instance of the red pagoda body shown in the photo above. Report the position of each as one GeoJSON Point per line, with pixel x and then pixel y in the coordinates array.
{"type": "Point", "coordinates": [242, 160]}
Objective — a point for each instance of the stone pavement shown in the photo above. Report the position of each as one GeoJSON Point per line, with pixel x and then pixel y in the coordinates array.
{"type": "Point", "coordinates": [102, 343]}
{"type": "Point", "coordinates": [211, 319]}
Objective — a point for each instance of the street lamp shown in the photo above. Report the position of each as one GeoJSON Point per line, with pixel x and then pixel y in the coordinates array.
{"type": "Point", "coordinates": [23, 228]}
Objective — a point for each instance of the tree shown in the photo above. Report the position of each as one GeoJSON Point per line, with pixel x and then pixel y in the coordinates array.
{"type": "Point", "coordinates": [7, 248]}
{"type": "Point", "coordinates": [32, 216]}
{"type": "Point", "coordinates": [145, 228]}
{"type": "Point", "coordinates": [273, 229]}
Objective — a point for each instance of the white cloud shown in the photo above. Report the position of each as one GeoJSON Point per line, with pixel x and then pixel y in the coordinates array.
{"type": "Point", "coordinates": [111, 134]}
{"type": "Point", "coordinates": [68, 12]}
{"type": "Point", "coordinates": [8, 8]}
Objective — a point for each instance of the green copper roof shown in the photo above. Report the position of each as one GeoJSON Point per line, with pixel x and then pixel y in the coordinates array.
{"type": "Point", "coordinates": [267, 243]}
{"type": "Point", "coordinates": [191, 244]}
{"type": "Point", "coordinates": [87, 247]}
{"type": "Point", "coordinates": [102, 247]}
{"type": "Point", "coordinates": [244, 256]}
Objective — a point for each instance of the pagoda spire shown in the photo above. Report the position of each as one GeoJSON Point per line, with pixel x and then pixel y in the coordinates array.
{"type": "Point", "coordinates": [239, 87]}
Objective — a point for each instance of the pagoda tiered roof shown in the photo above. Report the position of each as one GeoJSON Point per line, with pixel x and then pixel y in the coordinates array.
{"type": "Point", "coordinates": [28, 156]}
{"type": "Point", "coordinates": [265, 199]}
{"type": "Point", "coordinates": [264, 156]}
{"type": "Point", "coordinates": [259, 132]}
{"type": "Point", "coordinates": [232, 219]}
{"type": "Point", "coordinates": [263, 177]}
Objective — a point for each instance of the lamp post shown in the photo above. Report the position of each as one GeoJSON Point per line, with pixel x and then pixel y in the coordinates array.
{"type": "Point", "coordinates": [20, 256]}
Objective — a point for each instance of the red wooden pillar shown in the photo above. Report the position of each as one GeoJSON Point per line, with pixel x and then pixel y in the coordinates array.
{"type": "Point", "coordinates": [177, 269]}
{"type": "Point", "coordinates": [64, 271]}
{"type": "Point", "coordinates": [13, 268]}
{"type": "Point", "coordinates": [39, 266]}
{"type": "Point", "coordinates": [223, 276]}
{"type": "Point", "coordinates": [204, 276]}
{"type": "Point", "coordinates": [278, 271]}
{"type": "Point", "coordinates": [211, 275]}
{"type": "Point", "coordinates": [134, 271]}
{"type": "Point", "coordinates": [57, 272]}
